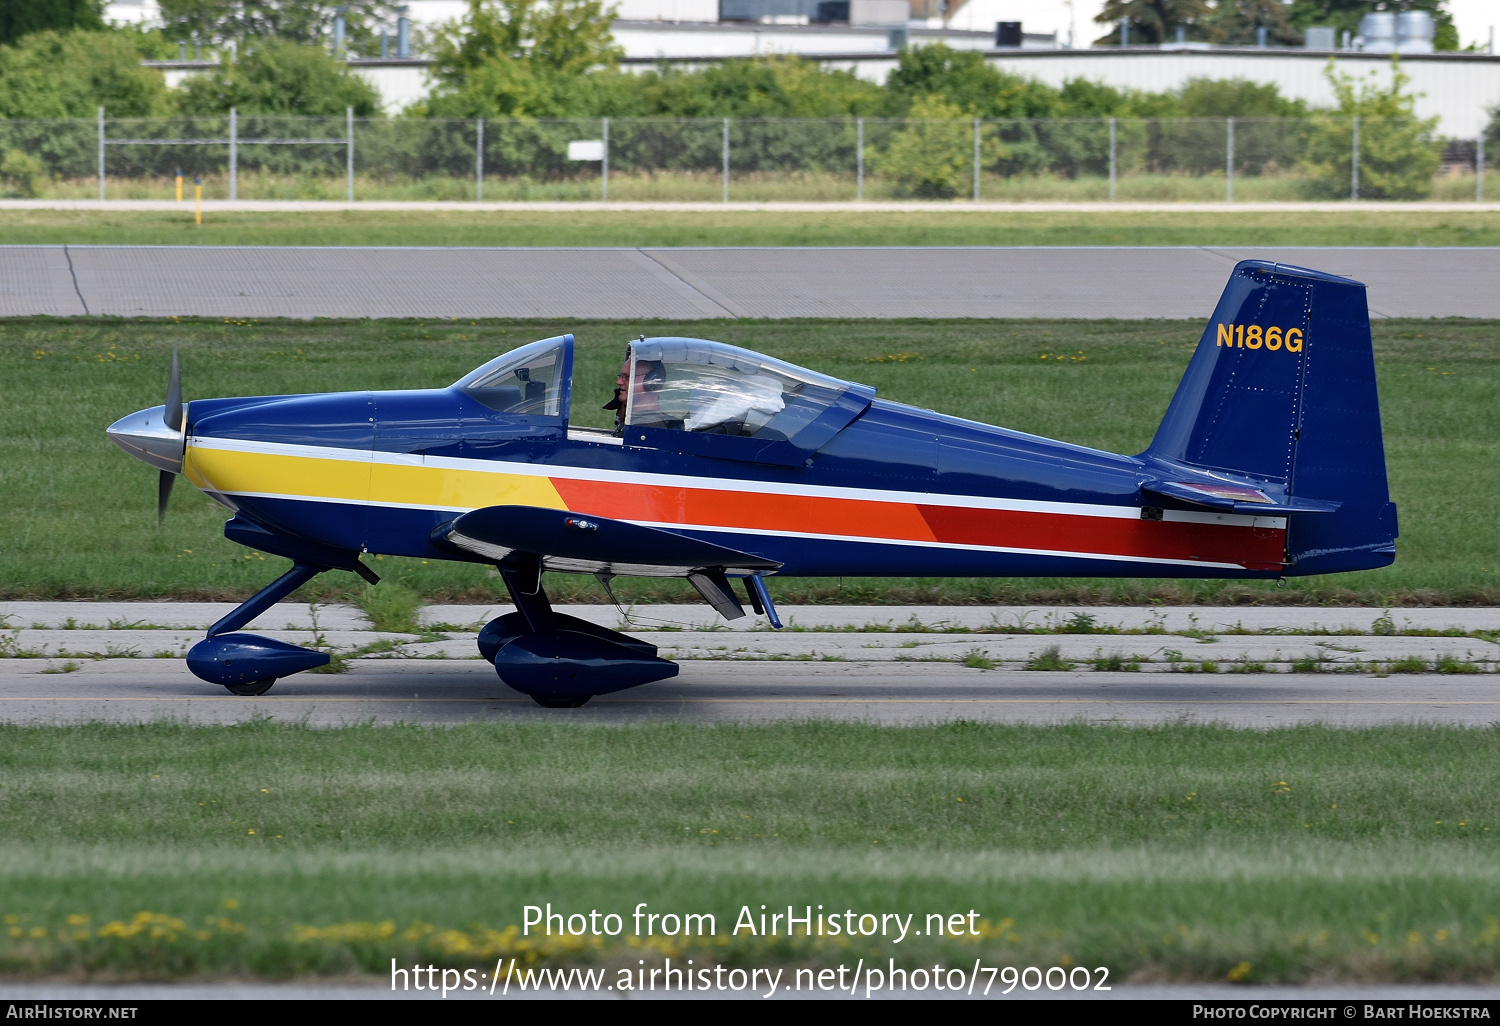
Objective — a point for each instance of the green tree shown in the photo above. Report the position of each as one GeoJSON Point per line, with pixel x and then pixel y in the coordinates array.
{"type": "Point", "coordinates": [1237, 23]}
{"type": "Point", "coordinates": [757, 87]}
{"type": "Point", "coordinates": [275, 76]}
{"type": "Point", "coordinates": [1086, 98]}
{"type": "Point", "coordinates": [305, 21]}
{"type": "Point", "coordinates": [964, 79]}
{"type": "Point", "coordinates": [1398, 152]}
{"type": "Point", "coordinates": [1344, 15]}
{"type": "Point", "coordinates": [1236, 98]}
{"type": "Point", "coordinates": [932, 156]}
{"type": "Point", "coordinates": [1154, 21]}
{"type": "Point", "coordinates": [23, 174]}
{"type": "Point", "coordinates": [18, 17]}
{"type": "Point", "coordinates": [71, 74]}
{"type": "Point", "coordinates": [523, 58]}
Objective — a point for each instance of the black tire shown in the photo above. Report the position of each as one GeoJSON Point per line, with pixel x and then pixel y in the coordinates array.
{"type": "Point", "coordinates": [560, 701]}
{"type": "Point", "coordinates": [251, 688]}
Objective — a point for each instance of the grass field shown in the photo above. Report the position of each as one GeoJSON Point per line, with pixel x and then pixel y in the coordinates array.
{"type": "Point", "coordinates": [1364, 227]}
{"type": "Point", "coordinates": [77, 517]}
{"type": "Point", "coordinates": [1181, 852]}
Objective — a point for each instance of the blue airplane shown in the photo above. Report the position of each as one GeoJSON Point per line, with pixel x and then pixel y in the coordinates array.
{"type": "Point", "coordinates": [727, 464]}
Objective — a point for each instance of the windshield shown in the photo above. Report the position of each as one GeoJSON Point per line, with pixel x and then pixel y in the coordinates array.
{"type": "Point", "coordinates": [530, 380]}
{"type": "Point", "coordinates": [689, 384]}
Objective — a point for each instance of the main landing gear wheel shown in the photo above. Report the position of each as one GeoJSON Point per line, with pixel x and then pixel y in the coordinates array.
{"type": "Point", "coordinates": [251, 688]}
{"type": "Point", "coordinates": [560, 701]}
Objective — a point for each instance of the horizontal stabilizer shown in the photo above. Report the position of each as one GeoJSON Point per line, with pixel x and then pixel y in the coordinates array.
{"type": "Point", "coordinates": [573, 543]}
{"type": "Point", "coordinates": [1234, 498]}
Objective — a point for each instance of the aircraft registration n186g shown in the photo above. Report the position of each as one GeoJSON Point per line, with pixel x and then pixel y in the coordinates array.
{"type": "Point", "coordinates": [728, 464]}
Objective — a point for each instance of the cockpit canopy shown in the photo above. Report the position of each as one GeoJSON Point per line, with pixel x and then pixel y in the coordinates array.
{"type": "Point", "coordinates": [717, 400]}
{"type": "Point", "coordinates": [687, 394]}
{"type": "Point", "coordinates": [690, 384]}
{"type": "Point", "coordinates": [534, 380]}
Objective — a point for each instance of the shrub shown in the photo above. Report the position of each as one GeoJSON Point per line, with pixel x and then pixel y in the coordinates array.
{"type": "Point", "coordinates": [391, 607]}
{"type": "Point", "coordinates": [1116, 662]}
{"type": "Point", "coordinates": [1049, 658]}
{"type": "Point", "coordinates": [975, 659]}
{"type": "Point", "coordinates": [1398, 152]}
{"type": "Point", "coordinates": [71, 74]}
{"type": "Point", "coordinates": [932, 156]}
{"type": "Point", "coordinates": [279, 77]}
{"type": "Point", "coordinates": [23, 173]}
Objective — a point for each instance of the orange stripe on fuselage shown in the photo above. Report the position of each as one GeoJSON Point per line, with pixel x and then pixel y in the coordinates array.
{"type": "Point", "coordinates": [902, 521]}
{"type": "Point", "coordinates": [751, 511]}
{"type": "Point", "coordinates": [1150, 539]}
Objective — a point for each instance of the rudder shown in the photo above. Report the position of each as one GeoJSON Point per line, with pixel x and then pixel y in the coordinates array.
{"type": "Point", "coordinates": [1280, 397]}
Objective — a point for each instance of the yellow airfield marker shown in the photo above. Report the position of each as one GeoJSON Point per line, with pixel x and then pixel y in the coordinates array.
{"type": "Point", "coordinates": [179, 185]}
{"type": "Point", "coordinates": [198, 199]}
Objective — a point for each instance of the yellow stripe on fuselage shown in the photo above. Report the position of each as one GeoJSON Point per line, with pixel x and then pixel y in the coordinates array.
{"type": "Point", "coordinates": [226, 471]}
{"type": "Point", "coordinates": [231, 472]}
{"type": "Point", "coordinates": [450, 488]}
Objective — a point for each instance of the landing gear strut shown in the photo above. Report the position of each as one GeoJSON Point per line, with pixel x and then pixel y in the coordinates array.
{"type": "Point", "coordinates": [560, 660]}
{"type": "Point", "coordinates": [248, 664]}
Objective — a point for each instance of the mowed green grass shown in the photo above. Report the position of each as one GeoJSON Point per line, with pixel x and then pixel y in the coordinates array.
{"type": "Point", "coordinates": [1184, 852]}
{"type": "Point", "coordinates": [938, 227]}
{"type": "Point", "coordinates": [77, 516]}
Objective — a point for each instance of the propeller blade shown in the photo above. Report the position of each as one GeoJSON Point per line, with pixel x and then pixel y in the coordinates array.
{"type": "Point", "coordinates": [173, 414]}
{"type": "Point", "coordinates": [164, 481]}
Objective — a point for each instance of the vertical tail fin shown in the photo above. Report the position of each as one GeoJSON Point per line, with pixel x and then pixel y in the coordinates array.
{"type": "Point", "coordinates": [1278, 409]}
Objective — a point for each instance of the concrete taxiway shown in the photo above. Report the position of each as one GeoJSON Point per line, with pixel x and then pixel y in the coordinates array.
{"type": "Point", "coordinates": [453, 692]}
{"type": "Point", "coordinates": [1257, 666]}
{"type": "Point", "coordinates": [708, 282]}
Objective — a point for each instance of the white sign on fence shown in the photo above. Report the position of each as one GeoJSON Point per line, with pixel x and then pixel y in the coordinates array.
{"type": "Point", "coordinates": [586, 149]}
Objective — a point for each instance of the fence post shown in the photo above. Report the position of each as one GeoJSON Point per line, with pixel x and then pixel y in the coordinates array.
{"type": "Point", "coordinates": [234, 154]}
{"type": "Point", "coordinates": [976, 159]}
{"type": "Point", "coordinates": [1111, 158]}
{"type": "Point", "coordinates": [726, 160]}
{"type": "Point", "coordinates": [479, 160]}
{"type": "Point", "coordinates": [1479, 169]}
{"type": "Point", "coordinates": [349, 152]}
{"type": "Point", "coordinates": [101, 154]}
{"type": "Point", "coordinates": [859, 162]}
{"type": "Point", "coordinates": [604, 194]}
{"type": "Point", "coordinates": [1229, 164]}
{"type": "Point", "coordinates": [1354, 164]}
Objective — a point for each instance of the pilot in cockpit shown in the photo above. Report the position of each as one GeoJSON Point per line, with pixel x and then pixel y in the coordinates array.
{"type": "Point", "coordinates": [697, 389]}
{"type": "Point", "coordinates": [650, 376]}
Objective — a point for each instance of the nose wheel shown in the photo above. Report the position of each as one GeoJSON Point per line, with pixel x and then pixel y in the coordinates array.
{"type": "Point", "coordinates": [560, 701]}
{"type": "Point", "coordinates": [251, 688]}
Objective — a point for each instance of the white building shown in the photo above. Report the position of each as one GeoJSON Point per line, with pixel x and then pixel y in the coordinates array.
{"type": "Point", "coordinates": [1457, 88]}
{"type": "Point", "coordinates": [1072, 20]}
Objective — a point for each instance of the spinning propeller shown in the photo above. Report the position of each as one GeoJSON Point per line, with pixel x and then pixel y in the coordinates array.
{"type": "Point", "coordinates": [156, 437]}
{"type": "Point", "coordinates": [172, 415]}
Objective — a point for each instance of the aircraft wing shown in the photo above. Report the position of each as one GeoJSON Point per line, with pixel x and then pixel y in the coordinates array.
{"type": "Point", "coordinates": [572, 543]}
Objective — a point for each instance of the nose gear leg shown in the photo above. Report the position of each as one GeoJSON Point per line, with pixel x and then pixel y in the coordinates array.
{"type": "Point", "coordinates": [248, 664]}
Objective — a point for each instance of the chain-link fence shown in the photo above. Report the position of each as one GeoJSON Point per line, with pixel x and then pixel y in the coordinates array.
{"type": "Point", "coordinates": [749, 159]}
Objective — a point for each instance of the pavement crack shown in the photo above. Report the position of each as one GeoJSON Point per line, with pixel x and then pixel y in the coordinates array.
{"type": "Point", "coordinates": [698, 285]}
{"type": "Point", "coordinates": [67, 255]}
